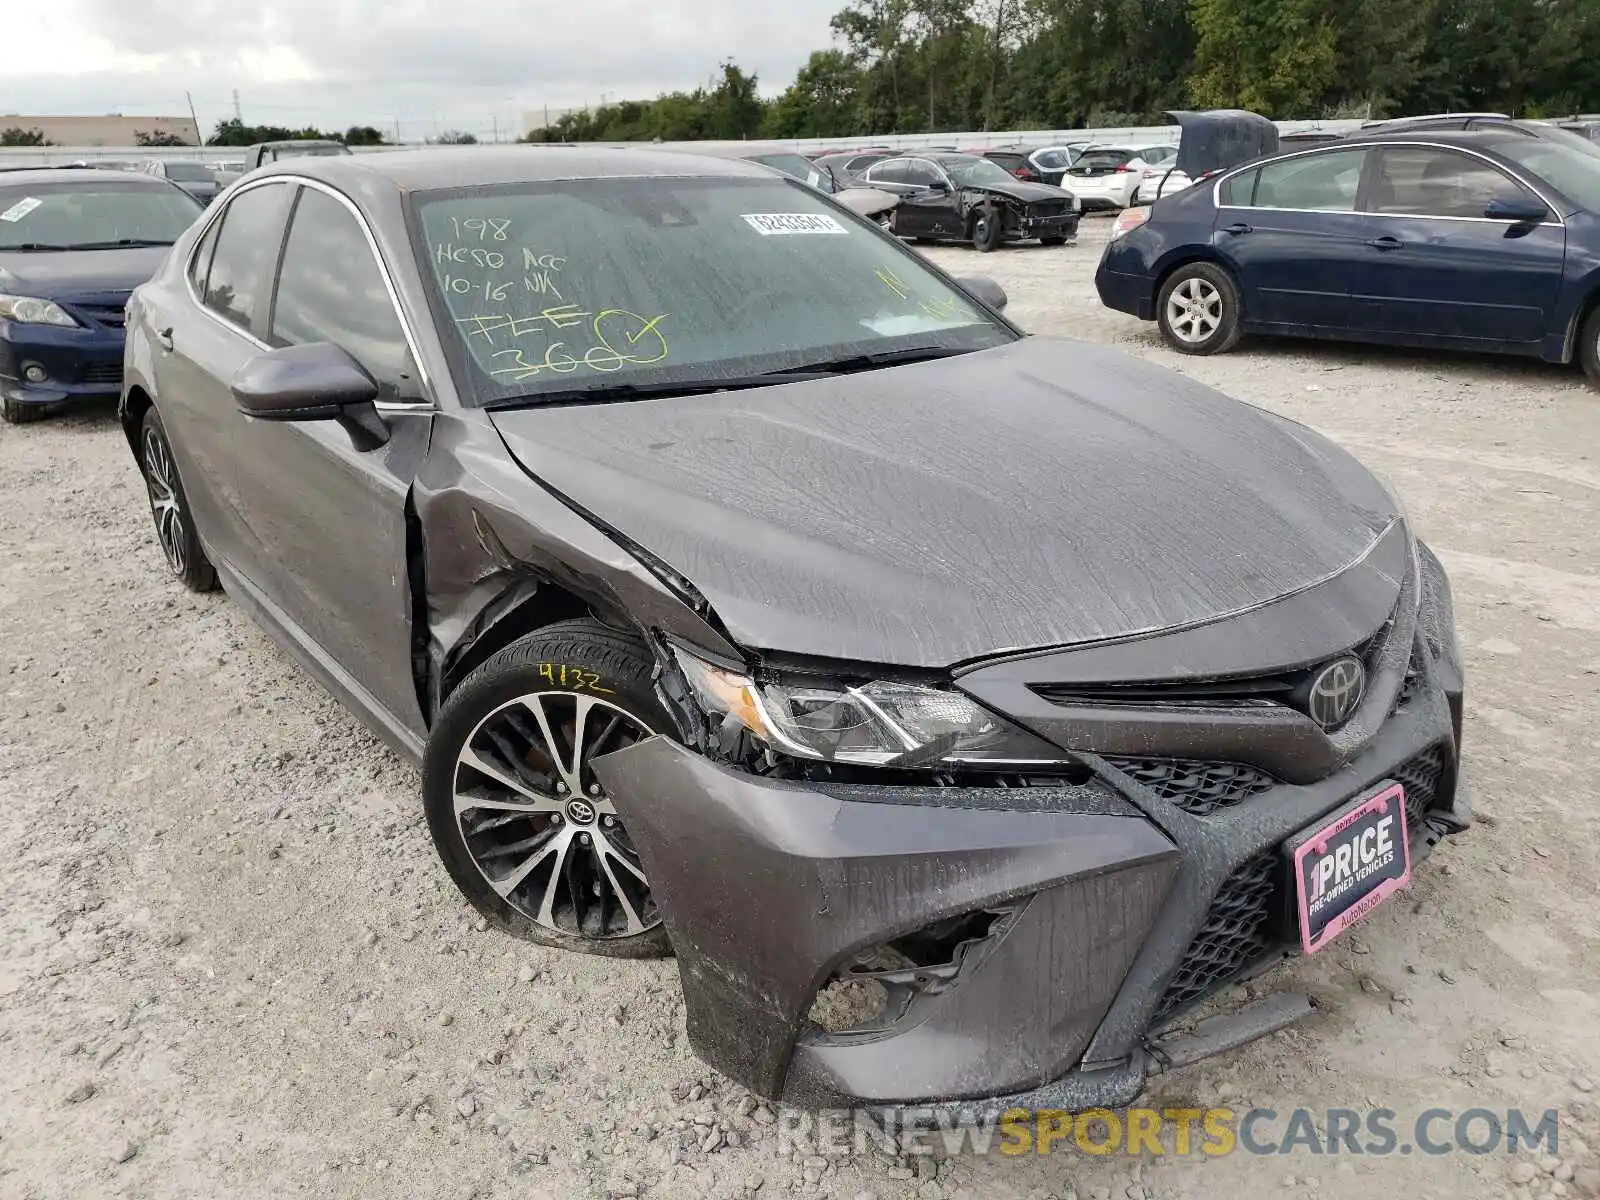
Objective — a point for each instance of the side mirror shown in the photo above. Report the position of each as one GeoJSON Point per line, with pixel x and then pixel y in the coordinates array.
{"type": "Point", "coordinates": [938, 185]}
{"type": "Point", "coordinates": [314, 382]}
{"type": "Point", "coordinates": [985, 289]}
{"type": "Point", "coordinates": [1519, 210]}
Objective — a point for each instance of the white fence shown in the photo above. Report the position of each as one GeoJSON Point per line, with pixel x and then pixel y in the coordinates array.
{"type": "Point", "coordinates": [48, 156]}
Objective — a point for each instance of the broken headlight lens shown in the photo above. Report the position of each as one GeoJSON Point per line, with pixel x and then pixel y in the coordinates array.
{"type": "Point", "coordinates": [880, 723]}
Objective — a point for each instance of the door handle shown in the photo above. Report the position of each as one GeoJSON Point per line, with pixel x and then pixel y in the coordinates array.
{"type": "Point", "coordinates": [164, 336]}
{"type": "Point", "coordinates": [1237, 228]}
{"type": "Point", "coordinates": [1385, 243]}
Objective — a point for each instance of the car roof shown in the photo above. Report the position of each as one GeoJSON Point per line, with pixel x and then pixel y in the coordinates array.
{"type": "Point", "coordinates": [1473, 139]}
{"type": "Point", "coordinates": [71, 175]}
{"type": "Point", "coordinates": [471, 166]}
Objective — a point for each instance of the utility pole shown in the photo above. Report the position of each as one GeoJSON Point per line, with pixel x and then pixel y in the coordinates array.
{"type": "Point", "coordinates": [237, 115]}
{"type": "Point", "coordinates": [199, 137]}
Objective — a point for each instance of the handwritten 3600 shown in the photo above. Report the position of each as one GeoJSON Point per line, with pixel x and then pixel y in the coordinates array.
{"type": "Point", "coordinates": [621, 338]}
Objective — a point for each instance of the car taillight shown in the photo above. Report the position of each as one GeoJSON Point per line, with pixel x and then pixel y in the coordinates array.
{"type": "Point", "coordinates": [1124, 169]}
{"type": "Point", "coordinates": [1128, 220]}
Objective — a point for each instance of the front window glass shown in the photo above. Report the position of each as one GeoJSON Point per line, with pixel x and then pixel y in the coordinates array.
{"type": "Point", "coordinates": [1318, 182]}
{"type": "Point", "coordinates": [577, 284]}
{"type": "Point", "coordinates": [1572, 171]}
{"type": "Point", "coordinates": [241, 263]}
{"type": "Point", "coordinates": [1437, 183]}
{"type": "Point", "coordinates": [975, 172]}
{"type": "Point", "coordinates": [94, 214]}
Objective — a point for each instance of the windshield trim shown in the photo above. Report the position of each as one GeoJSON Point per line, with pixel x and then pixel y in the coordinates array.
{"type": "Point", "coordinates": [455, 354]}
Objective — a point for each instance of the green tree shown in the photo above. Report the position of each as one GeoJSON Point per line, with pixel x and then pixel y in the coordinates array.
{"type": "Point", "coordinates": [821, 102]}
{"type": "Point", "coordinates": [15, 136]}
{"type": "Point", "coordinates": [159, 137]}
{"type": "Point", "coordinates": [364, 135]}
{"type": "Point", "coordinates": [1277, 57]}
{"type": "Point", "coordinates": [456, 137]}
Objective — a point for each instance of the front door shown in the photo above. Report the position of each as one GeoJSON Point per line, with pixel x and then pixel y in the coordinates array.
{"type": "Point", "coordinates": [326, 502]}
{"type": "Point", "coordinates": [1434, 266]}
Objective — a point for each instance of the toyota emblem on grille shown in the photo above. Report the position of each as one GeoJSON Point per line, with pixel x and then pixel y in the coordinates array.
{"type": "Point", "coordinates": [1336, 691]}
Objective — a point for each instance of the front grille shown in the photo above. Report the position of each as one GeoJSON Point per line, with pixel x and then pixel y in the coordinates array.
{"type": "Point", "coordinates": [103, 373]}
{"type": "Point", "coordinates": [105, 314]}
{"type": "Point", "coordinates": [1237, 933]}
{"type": "Point", "coordinates": [1049, 208]}
{"type": "Point", "coordinates": [1196, 787]}
{"type": "Point", "coordinates": [1247, 921]}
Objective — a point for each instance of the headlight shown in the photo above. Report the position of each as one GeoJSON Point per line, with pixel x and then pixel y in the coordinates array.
{"type": "Point", "coordinates": [875, 724]}
{"type": "Point", "coordinates": [29, 310]}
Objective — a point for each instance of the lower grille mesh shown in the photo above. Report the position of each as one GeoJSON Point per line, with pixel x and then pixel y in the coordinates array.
{"type": "Point", "coordinates": [1196, 787]}
{"type": "Point", "coordinates": [1236, 933]}
{"type": "Point", "coordinates": [1247, 920]}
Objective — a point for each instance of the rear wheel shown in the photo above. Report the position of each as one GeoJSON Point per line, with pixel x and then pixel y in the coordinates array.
{"type": "Point", "coordinates": [522, 824]}
{"type": "Point", "coordinates": [169, 508]}
{"type": "Point", "coordinates": [1198, 309]}
{"type": "Point", "coordinates": [1589, 347]}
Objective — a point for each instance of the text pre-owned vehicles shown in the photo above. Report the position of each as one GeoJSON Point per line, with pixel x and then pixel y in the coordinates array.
{"type": "Point", "coordinates": [1111, 176]}
{"type": "Point", "coordinates": [199, 180]}
{"type": "Point", "coordinates": [73, 244]}
{"type": "Point", "coordinates": [964, 198]}
{"type": "Point", "coordinates": [1481, 240]}
{"type": "Point", "coordinates": [747, 587]}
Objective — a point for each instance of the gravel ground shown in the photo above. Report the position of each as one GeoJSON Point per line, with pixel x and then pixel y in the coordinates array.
{"type": "Point", "coordinates": [230, 964]}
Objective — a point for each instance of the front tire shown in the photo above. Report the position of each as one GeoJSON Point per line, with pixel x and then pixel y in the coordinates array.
{"type": "Point", "coordinates": [169, 508]}
{"type": "Point", "coordinates": [521, 823]}
{"type": "Point", "coordinates": [988, 229]}
{"type": "Point", "coordinates": [1198, 309]}
{"type": "Point", "coordinates": [22, 414]}
{"type": "Point", "coordinates": [1589, 347]}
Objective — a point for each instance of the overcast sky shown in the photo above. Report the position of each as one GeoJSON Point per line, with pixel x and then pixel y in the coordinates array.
{"type": "Point", "coordinates": [430, 64]}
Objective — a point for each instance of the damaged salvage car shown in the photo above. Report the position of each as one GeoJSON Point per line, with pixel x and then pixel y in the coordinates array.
{"type": "Point", "coordinates": [965, 198]}
{"type": "Point", "coordinates": [962, 708]}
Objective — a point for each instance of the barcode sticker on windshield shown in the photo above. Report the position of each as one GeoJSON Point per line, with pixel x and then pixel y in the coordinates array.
{"type": "Point", "coordinates": [769, 224]}
{"type": "Point", "coordinates": [26, 205]}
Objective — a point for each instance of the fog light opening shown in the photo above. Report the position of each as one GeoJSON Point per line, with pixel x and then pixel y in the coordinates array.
{"type": "Point", "coordinates": [34, 373]}
{"type": "Point", "coordinates": [882, 982]}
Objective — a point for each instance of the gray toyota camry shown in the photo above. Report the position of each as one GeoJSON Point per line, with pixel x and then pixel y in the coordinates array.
{"type": "Point", "coordinates": [964, 709]}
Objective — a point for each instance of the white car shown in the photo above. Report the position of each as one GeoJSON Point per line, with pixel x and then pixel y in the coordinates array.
{"type": "Point", "coordinates": [1111, 176]}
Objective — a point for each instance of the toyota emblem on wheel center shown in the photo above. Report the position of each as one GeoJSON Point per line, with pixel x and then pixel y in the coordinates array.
{"type": "Point", "coordinates": [1336, 691]}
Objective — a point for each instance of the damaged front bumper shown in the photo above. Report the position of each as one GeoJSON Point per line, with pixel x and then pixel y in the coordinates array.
{"type": "Point", "coordinates": [1033, 945]}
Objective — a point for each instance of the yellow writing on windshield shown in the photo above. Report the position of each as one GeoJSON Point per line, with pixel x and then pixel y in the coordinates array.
{"type": "Point", "coordinates": [620, 338]}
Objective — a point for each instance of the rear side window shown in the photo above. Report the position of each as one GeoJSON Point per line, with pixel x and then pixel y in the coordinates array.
{"type": "Point", "coordinates": [894, 170]}
{"type": "Point", "coordinates": [1438, 183]}
{"type": "Point", "coordinates": [252, 231]}
{"type": "Point", "coordinates": [330, 289]}
{"type": "Point", "coordinates": [1316, 182]}
{"type": "Point", "coordinates": [922, 172]}
{"type": "Point", "coordinates": [1239, 190]}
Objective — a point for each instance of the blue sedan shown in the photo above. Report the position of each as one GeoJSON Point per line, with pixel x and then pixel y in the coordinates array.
{"type": "Point", "coordinates": [1486, 240]}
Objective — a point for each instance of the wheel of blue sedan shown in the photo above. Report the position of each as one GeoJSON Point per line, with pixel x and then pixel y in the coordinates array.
{"type": "Point", "coordinates": [1198, 309]}
{"type": "Point", "coordinates": [525, 828]}
{"type": "Point", "coordinates": [1589, 350]}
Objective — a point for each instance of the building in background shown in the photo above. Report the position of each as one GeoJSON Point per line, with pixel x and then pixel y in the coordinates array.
{"type": "Point", "coordinates": [110, 130]}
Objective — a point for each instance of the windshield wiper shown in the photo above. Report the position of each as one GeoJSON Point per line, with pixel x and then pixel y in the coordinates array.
{"type": "Point", "coordinates": [33, 246]}
{"type": "Point", "coordinates": [600, 393]}
{"type": "Point", "coordinates": [867, 362]}
{"type": "Point", "coordinates": [114, 245]}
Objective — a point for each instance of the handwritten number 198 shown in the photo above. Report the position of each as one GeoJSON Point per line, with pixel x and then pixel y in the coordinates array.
{"type": "Point", "coordinates": [485, 229]}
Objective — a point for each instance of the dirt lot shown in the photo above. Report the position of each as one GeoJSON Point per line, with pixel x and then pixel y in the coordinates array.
{"type": "Point", "coordinates": [230, 964]}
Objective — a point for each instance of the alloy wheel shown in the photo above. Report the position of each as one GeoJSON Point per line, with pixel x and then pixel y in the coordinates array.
{"type": "Point", "coordinates": [1194, 310]}
{"type": "Point", "coordinates": [539, 826]}
{"type": "Point", "coordinates": [161, 480]}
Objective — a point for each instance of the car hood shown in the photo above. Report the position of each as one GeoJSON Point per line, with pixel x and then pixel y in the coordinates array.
{"type": "Point", "coordinates": [61, 274]}
{"type": "Point", "coordinates": [1028, 193]}
{"type": "Point", "coordinates": [1043, 493]}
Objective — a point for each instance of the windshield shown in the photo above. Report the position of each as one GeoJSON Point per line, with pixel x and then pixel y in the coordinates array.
{"type": "Point", "coordinates": [184, 172]}
{"type": "Point", "coordinates": [976, 172]}
{"type": "Point", "coordinates": [552, 287]}
{"type": "Point", "coordinates": [93, 214]}
{"type": "Point", "coordinates": [1574, 171]}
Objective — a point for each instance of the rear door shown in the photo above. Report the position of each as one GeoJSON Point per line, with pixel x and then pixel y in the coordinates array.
{"type": "Point", "coordinates": [1291, 233]}
{"type": "Point", "coordinates": [206, 329]}
{"type": "Point", "coordinates": [328, 501]}
{"type": "Point", "coordinates": [1434, 266]}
